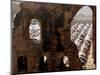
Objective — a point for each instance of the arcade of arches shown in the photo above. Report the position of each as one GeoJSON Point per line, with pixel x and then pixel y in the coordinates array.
{"type": "Point", "coordinates": [41, 38]}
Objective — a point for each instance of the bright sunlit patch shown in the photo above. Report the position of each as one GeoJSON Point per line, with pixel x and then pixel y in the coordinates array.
{"type": "Point", "coordinates": [45, 58]}
{"type": "Point", "coordinates": [34, 30]}
{"type": "Point", "coordinates": [66, 61]}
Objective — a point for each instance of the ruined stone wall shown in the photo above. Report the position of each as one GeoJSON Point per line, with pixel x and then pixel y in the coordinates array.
{"type": "Point", "coordinates": [47, 13]}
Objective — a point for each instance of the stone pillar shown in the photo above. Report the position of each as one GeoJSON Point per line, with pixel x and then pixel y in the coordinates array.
{"type": "Point", "coordinates": [70, 48]}
{"type": "Point", "coordinates": [94, 33]}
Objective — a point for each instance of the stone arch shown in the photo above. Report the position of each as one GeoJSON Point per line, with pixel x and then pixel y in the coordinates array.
{"type": "Point", "coordinates": [82, 23]}
{"type": "Point", "coordinates": [35, 32]}
{"type": "Point", "coordinates": [92, 13]}
{"type": "Point", "coordinates": [93, 8]}
{"type": "Point", "coordinates": [22, 64]}
{"type": "Point", "coordinates": [22, 23]}
{"type": "Point", "coordinates": [43, 64]}
{"type": "Point", "coordinates": [21, 40]}
{"type": "Point", "coordinates": [64, 63]}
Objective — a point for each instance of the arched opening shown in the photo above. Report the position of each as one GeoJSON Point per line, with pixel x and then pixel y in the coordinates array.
{"type": "Point", "coordinates": [43, 65]}
{"type": "Point", "coordinates": [64, 63]}
{"type": "Point", "coordinates": [22, 64]}
{"type": "Point", "coordinates": [35, 30]}
{"type": "Point", "coordinates": [82, 33]}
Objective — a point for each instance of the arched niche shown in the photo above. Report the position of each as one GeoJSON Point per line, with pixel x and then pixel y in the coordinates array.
{"type": "Point", "coordinates": [43, 64]}
{"type": "Point", "coordinates": [64, 63]}
{"type": "Point", "coordinates": [82, 32]}
{"type": "Point", "coordinates": [22, 64]}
